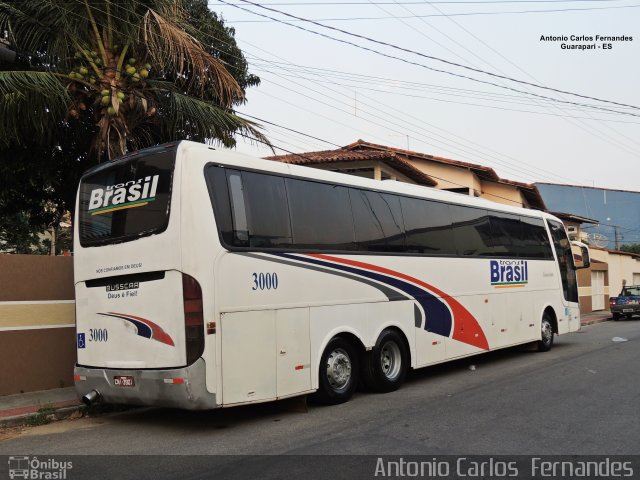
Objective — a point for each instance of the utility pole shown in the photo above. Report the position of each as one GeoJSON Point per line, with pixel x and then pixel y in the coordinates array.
{"type": "Point", "coordinates": [616, 237]}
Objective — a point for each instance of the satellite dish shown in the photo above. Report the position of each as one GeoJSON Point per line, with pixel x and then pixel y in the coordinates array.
{"type": "Point", "coordinates": [598, 239]}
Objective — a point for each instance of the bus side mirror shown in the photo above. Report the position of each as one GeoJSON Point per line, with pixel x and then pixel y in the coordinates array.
{"type": "Point", "coordinates": [581, 260]}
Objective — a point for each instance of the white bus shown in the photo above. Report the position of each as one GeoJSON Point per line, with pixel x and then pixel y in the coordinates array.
{"type": "Point", "coordinates": [208, 278]}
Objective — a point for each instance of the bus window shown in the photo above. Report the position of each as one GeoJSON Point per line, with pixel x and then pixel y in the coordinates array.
{"type": "Point", "coordinates": [428, 227]}
{"type": "Point", "coordinates": [565, 261]}
{"type": "Point", "coordinates": [219, 192]}
{"type": "Point", "coordinates": [320, 215]}
{"type": "Point", "coordinates": [505, 233]}
{"type": "Point", "coordinates": [267, 210]}
{"type": "Point", "coordinates": [127, 199]}
{"type": "Point", "coordinates": [378, 221]}
{"type": "Point", "coordinates": [238, 209]}
{"type": "Point", "coordinates": [471, 231]}
{"type": "Point", "coordinates": [535, 240]}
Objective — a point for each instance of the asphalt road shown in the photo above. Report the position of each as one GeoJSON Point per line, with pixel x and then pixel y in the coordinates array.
{"type": "Point", "coordinates": [581, 398]}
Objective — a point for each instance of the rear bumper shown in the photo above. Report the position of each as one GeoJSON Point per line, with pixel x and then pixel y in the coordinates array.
{"type": "Point", "coordinates": [631, 309]}
{"type": "Point", "coordinates": [152, 387]}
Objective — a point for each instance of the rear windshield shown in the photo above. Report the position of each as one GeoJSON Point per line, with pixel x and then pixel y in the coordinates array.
{"type": "Point", "coordinates": [126, 200]}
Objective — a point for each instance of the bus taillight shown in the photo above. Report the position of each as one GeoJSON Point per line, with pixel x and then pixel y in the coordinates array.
{"type": "Point", "coordinates": [193, 318]}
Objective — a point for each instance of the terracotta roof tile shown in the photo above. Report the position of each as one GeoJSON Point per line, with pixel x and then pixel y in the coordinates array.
{"type": "Point", "coordinates": [480, 170]}
{"type": "Point", "coordinates": [362, 150]}
{"type": "Point", "coordinates": [342, 156]}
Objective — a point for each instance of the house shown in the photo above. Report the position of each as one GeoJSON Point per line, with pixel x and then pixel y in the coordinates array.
{"type": "Point", "coordinates": [381, 162]}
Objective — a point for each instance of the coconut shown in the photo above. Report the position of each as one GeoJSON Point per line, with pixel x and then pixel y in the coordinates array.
{"type": "Point", "coordinates": [130, 70]}
{"type": "Point", "coordinates": [120, 95]}
{"type": "Point", "coordinates": [105, 92]}
{"type": "Point", "coordinates": [83, 70]}
{"type": "Point", "coordinates": [144, 73]}
{"type": "Point", "coordinates": [111, 111]}
{"type": "Point", "coordinates": [105, 100]}
{"type": "Point", "coordinates": [132, 61]}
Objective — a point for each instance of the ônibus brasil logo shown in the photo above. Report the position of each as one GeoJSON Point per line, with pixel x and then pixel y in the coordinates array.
{"type": "Point", "coordinates": [134, 193]}
{"type": "Point", "coordinates": [509, 273]}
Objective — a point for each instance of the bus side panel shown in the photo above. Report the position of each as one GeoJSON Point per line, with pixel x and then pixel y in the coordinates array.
{"type": "Point", "coordinates": [265, 355]}
{"type": "Point", "coordinates": [248, 356]}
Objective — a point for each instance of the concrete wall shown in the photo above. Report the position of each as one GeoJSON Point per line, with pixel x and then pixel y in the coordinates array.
{"type": "Point", "coordinates": [585, 292]}
{"type": "Point", "coordinates": [447, 176]}
{"type": "Point", "coordinates": [37, 323]}
{"type": "Point", "coordinates": [622, 266]}
{"type": "Point", "coordinates": [501, 193]}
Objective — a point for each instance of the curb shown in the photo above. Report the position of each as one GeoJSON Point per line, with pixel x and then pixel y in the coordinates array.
{"type": "Point", "coordinates": [65, 412]}
{"type": "Point", "coordinates": [58, 414]}
{"type": "Point", "coordinates": [595, 320]}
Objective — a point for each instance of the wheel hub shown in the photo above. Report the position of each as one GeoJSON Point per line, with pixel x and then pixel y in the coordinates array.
{"type": "Point", "coordinates": [390, 360]}
{"type": "Point", "coordinates": [338, 369]}
{"type": "Point", "coordinates": [547, 332]}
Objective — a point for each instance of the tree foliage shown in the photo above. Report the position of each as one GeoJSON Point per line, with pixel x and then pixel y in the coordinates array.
{"type": "Point", "coordinates": [631, 248]}
{"type": "Point", "coordinates": [98, 78]}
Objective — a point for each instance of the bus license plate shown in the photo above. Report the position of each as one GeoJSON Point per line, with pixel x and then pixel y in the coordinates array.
{"type": "Point", "coordinates": [123, 381]}
{"type": "Point", "coordinates": [627, 310]}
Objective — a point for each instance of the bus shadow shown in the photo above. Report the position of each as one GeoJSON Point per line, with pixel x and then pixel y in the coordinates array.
{"type": "Point", "coordinates": [485, 360]}
{"type": "Point", "coordinates": [276, 411]}
{"type": "Point", "coordinates": [209, 420]}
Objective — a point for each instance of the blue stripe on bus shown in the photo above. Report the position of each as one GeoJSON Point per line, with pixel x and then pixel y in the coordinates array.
{"type": "Point", "coordinates": [438, 316]}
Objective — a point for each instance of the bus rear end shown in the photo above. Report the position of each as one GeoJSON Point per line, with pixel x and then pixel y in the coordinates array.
{"type": "Point", "coordinates": [140, 332]}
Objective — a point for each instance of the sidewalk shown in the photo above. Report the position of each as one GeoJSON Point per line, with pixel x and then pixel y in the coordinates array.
{"type": "Point", "coordinates": [62, 402]}
{"type": "Point", "coordinates": [595, 317]}
{"type": "Point", "coordinates": [17, 409]}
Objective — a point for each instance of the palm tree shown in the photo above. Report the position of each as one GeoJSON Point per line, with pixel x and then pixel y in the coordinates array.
{"type": "Point", "coordinates": [131, 67]}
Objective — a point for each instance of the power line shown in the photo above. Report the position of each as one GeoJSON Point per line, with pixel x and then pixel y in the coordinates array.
{"type": "Point", "coordinates": [602, 135]}
{"type": "Point", "coordinates": [538, 172]}
{"type": "Point", "coordinates": [406, 50]}
{"type": "Point", "coordinates": [474, 151]}
{"type": "Point", "coordinates": [287, 4]}
{"type": "Point", "coordinates": [617, 144]}
{"type": "Point", "coordinates": [436, 15]}
{"type": "Point", "coordinates": [494, 107]}
{"type": "Point", "coordinates": [412, 86]}
{"type": "Point", "coordinates": [214, 37]}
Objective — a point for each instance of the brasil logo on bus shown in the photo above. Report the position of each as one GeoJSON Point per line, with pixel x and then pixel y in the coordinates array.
{"type": "Point", "coordinates": [132, 194]}
{"type": "Point", "coordinates": [509, 273]}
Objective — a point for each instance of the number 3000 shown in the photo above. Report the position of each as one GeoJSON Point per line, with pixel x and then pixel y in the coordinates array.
{"type": "Point", "coordinates": [265, 281]}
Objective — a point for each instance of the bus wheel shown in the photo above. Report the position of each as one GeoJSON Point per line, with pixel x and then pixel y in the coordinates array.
{"type": "Point", "coordinates": [546, 338]}
{"type": "Point", "coordinates": [385, 367]}
{"type": "Point", "coordinates": [616, 316]}
{"type": "Point", "coordinates": [338, 375]}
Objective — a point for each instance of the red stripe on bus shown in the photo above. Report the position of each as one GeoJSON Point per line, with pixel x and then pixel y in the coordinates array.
{"type": "Point", "coordinates": [466, 328]}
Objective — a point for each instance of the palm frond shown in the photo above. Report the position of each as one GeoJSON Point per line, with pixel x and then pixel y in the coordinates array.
{"type": "Point", "coordinates": [39, 23]}
{"type": "Point", "coordinates": [29, 103]}
{"type": "Point", "coordinates": [174, 49]}
{"type": "Point", "coordinates": [206, 121]}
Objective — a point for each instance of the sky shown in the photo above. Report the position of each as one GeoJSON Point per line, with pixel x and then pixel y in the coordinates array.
{"type": "Point", "coordinates": [392, 94]}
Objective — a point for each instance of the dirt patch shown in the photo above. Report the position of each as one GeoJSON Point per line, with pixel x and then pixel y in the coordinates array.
{"type": "Point", "coordinates": [7, 433]}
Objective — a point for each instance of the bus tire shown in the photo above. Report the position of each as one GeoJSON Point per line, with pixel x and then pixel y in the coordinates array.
{"type": "Point", "coordinates": [615, 316]}
{"type": "Point", "coordinates": [546, 334]}
{"type": "Point", "coordinates": [385, 366]}
{"type": "Point", "coordinates": [338, 373]}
